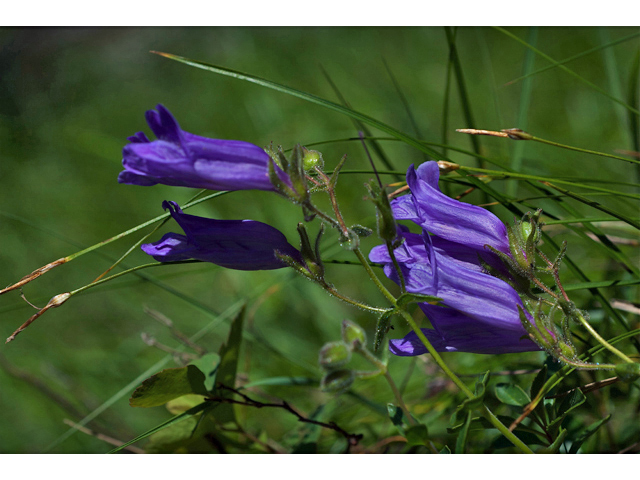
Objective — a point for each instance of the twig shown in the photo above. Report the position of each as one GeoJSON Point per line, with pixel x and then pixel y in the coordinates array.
{"type": "Point", "coordinates": [103, 437]}
{"type": "Point", "coordinates": [352, 438]}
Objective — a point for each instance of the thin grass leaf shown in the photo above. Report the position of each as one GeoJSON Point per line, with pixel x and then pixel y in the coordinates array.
{"type": "Point", "coordinates": [462, 89]}
{"type": "Point", "coordinates": [567, 70]}
{"type": "Point", "coordinates": [602, 284]}
{"type": "Point", "coordinates": [172, 421]}
{"type": "Point", "coordinates": [523, 108]}
{"type": "Point", "coordinates": [633, 97]}
{"type": "Point", "coordinates": [357, 123]}
{"type": "Point", "coordinates": [595, 205]}
{"type": "Point", "coordinates": [575, 57]}
{"type": "Point", "coordinates": [403, 99]}
{"type": "Point", "coordinates": [613, 77]}
{"type": "Point", "coordinates": [309, 98]}
{"type": "Point", "coordinates": [446, 101]}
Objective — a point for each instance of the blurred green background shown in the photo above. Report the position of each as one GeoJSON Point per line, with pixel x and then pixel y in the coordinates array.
{"type": "Point", "coordinates": [69, 97]}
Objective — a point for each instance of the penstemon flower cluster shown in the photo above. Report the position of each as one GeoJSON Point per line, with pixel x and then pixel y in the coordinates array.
{"type": "Point", "coordinates": [477, 281]}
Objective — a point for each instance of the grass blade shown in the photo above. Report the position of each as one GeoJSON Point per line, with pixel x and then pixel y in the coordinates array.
{"type": "Point", "coordinates": [409, 140]}
{"type": "Point", "coordinates": [575, 57]}
{"type": "Point", "coordinates": [523, 108]}
{"type": "Point", "coordinates": [570, 72]}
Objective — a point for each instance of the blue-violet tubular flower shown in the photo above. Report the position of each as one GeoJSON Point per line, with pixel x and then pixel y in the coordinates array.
{"type": "Point", "coordinates": [480, 312]}
{"type": "Point", "coordinates": [234, 244]}
{"type": "Point", "coordinates": [183, 159]}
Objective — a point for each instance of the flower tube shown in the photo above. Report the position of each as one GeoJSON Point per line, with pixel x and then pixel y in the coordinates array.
{"type": "Point", "coordinates": [183, 159]}
{"type": "Point", "coordinates": [447, 260]}
{"type": "Point", "coordinates": [234, 244]}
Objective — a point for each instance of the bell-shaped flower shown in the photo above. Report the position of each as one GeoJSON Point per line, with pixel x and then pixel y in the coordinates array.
{"type": "Point", "coordinates": [183, 159]}
{"type": "Point", "coordinates": [235, 244]}
{"type": "Point", "coordinates": [481, 311]}
{"type": "Point", "coordinates": [448, 260]}
{"type": "Point", "coordinates": [446, 217]}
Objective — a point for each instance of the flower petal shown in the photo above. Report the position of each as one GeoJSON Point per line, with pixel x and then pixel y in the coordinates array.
{"type": "Point", "coordinates": [451, 219]}
{"type": "Point", "coordinates": [180, 158]}
{"type": "Point", "coordinates": [235, 244]}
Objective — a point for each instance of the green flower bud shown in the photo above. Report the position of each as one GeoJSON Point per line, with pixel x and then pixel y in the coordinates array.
{"type": "Point", "coordinates": [337, 381]}
{"type": "Point", "coordinates": [311, 159]}
{"type": "Point", "coordinates": [628, 372]}
{"type": "Point", "coordinates": [353, 334]}
{"type": "Point", "coordinates": [334, 355]}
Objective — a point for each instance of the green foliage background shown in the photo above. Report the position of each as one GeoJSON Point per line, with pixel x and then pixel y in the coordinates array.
{"type": "Point", "coordinates": [70, 97]}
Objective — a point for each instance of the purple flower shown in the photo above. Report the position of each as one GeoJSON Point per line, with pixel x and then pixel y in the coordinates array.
{"type": "Point", "coordinates": [235, 244]}
{"type": "Point", "coordinates": [183, 159]}
{"type": "Point", "coordinates": [480, 312]}
{"type": "Point", "coordinates": [445, 217]}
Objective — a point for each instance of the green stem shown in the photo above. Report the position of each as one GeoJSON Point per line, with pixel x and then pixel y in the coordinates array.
{"type": "Point", "coordinates": [485, 410]}
{"type": "Point", "coordinates": [333, 292]}
{"type": "Point", "coordinates": [141, 226]}
{"type": "Point", "coordinates": [385, 371]}
{"type": "Point", "coordinates": [387, 294]}
{"type": "Point", "coordinates": [602, 341]}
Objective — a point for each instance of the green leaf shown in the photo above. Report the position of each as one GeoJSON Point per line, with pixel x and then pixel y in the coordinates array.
{"type": "Point", "coordinates": [586, 433]}
{"type": "Point", "coordinates": [172, 421]}
{"type": "Point", "coordinates": [538, 381]}
{"type": "Point", "coordinates": [230, 352]}
{"type": "Point", "coordinates": [445, 450]}
{"type": "Point", "coordinates": [461, 441]}
{"type": "Point", "coordinates": [397, 417]}
{"type": "Point", "coordinates": [208, 364]}
{"type": "Point", "coordinates": [228, 367]}
{"type": "Point", "coordinates": [417, 435]}
{"type": "Point", "coordinates": [570, 403]}
{"type": "Point", "coordinates": [284, 382]}
{"type": "Point", "coordinates": [382, 327]}
{"type": "Point", "coordinates": [511, 394]}
{"type": "Point", "coordinates": [557, 443]}
{"type": "Point", "coordinates": [474, 402]}
{"type": "Point", "coordinates": [167, 385]}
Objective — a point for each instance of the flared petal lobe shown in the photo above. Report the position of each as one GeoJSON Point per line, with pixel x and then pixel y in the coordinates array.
{"type": "Point", "coordinates": [179, 158]}
{"type": "Point", "coordinates": [446, 217]}
{"type": "Point", "coordinates": [234, 244]}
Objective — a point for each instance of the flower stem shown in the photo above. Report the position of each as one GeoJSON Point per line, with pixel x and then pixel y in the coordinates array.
{"type": "Point", "coordinates": [333, 292]}
{"type": "Point", "coordinates": [387, 294]}
{"type": "Point", "coordinates": [601, 340]}
{"type": "Point", "coordinates": [382, 367]}
{"type": "Point", "coordinates": [454, 378]}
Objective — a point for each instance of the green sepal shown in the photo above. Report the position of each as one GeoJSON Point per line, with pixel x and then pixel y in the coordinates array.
{"type": "Point", "coordinates": [337, 381]}
{"type": "Point", "coordinates": [275, 180]}
{"type": "Point", "coordinates": [353, 334]}
{"type": "Point", "coordinates": [532, 330]}
{"type": "Point", "coordinates": [417, 435]}
{"type": "Point", "coordinates": [334, 355]}
{"type": "Point", "coordinates": [361, 231]}
{"type": "Point", "coordinates": [385, 222]}
{"type": "Point", "coordinates": [407, 298]}
{"type": "Point", "coordinates": [311, 255]}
